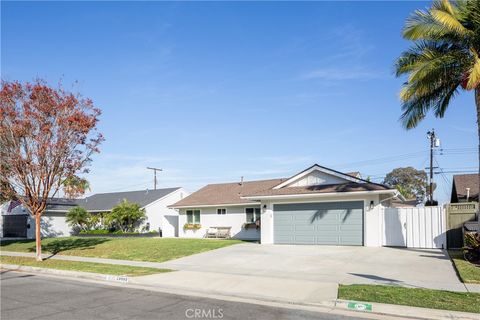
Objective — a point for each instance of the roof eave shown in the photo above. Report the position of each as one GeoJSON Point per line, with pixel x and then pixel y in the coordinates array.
{"type": "Point", "coordinates": [319, 195]}
{"type": "Point", "coordinates": [212, 205]}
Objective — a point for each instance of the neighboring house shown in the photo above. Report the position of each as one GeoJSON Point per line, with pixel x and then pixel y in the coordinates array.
{"type": "Point", "coordinates": [316, 206]}
{"type": "Point", "coordinates": [17, 221]}
{"type": "Point", "coordinates": [464, 188]}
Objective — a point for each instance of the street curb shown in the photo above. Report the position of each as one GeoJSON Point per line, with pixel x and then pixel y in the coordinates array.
{"type": "Point", "coordinates": [408, 311]}
{"type": "Point", "coordinates": [66, 273]}
{"type": "Point", "coordinates": [335, 306]}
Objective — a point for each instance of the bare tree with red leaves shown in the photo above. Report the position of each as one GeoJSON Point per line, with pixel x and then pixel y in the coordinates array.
{"type": "Point", "coordinates": [47, 137]}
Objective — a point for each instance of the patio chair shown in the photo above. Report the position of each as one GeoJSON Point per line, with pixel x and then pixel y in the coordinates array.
{"type": "Point", "coordinates": [223, 232]}
{"type": "Point", "coordinates": [211, 233]}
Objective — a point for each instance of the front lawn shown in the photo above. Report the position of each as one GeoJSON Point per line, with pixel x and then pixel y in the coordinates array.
{"type": "Point", "coordinates": [139, 249]}
{"type": "Point", "coordinates": [468, 272]}
{"type": "Point", "coordinates": [102, 268]}
{"type": "Point", "coordinates": [424, 298]}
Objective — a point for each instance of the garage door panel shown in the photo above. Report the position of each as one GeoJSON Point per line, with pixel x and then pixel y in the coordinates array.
{"type": "Point", "coordinates": [302, 228]}
{"type": "Point", "coordinates": [289, 228]}
{"type": "Point", "coordinates": [327, 228]}
{"type": "Point", "coordinates": [304, 240]}
{"type": "Point", "coordinates": [329, 223]}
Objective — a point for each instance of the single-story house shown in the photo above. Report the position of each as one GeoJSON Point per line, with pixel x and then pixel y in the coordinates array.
{"type": "Point", "coordinates": [17, 222]}
{"type": "Point", "coordinates": [464, 188]}
{"type": "Point", "coordinates": [316, 206]}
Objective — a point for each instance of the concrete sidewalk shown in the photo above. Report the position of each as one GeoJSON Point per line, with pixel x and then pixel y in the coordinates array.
{"type": "Point", "coordinates": [264, 288]}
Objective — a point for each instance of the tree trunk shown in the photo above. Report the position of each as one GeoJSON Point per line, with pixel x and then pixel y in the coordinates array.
{"type": "Point", "coordinates": [477, 102]}
{"type": "Point", "coordinates": [38, 237]}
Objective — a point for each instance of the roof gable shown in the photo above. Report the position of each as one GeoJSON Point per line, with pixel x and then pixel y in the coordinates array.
{"type": "Point", "coordinates": [317, 176]}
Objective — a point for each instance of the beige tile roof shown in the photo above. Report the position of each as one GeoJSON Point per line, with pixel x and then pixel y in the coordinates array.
{"type": "Point", "coordinates": [226, 193]}
{"type": "Point", "coordinates": [231, 193]}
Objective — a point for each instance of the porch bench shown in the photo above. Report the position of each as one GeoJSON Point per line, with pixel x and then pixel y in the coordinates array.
{"type": "Point", "coordinates": [218, 232]}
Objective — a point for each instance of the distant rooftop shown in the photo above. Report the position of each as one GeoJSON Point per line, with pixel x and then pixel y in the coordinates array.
{"type": "Point", "coordinates": [106, 201]}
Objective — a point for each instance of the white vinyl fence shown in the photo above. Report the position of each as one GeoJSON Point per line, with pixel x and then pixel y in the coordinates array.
{"type": "Point", "coordinates": [414, 227]}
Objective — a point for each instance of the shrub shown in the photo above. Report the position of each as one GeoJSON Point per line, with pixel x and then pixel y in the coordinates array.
{"type": "Point", "coordinates": [78, 218]}
{"type": "Point", "coordinates": [98, 231]}
{"type": "Point", "coordinates": [125, 216]}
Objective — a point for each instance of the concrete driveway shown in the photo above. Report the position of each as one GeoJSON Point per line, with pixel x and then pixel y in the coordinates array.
{"type": "Point", "coordinates": [425, 268]}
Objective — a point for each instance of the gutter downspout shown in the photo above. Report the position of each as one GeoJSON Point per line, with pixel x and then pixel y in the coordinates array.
{"type": "Point", "coordinates": [397, 194]}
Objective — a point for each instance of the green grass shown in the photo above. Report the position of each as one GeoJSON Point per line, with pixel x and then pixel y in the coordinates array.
{"type": "Point", "coordinates": [424, 298]}
{"type": "Point", "coordinates": [138, 249]}
{"type": "Point", "coordinates": [468, 272]}
{"type": "Point", "coordinates": [82, 266]}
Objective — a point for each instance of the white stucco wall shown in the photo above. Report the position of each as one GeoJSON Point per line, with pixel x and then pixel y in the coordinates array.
{"type": "Point", "coordinates": [234, 218]}
{"type": "Point", "coordinates": [160, 216]}
{"type": "Point", "coordinates": [372, 219]}
{"type": "Point", "coordinates": [52, 225]}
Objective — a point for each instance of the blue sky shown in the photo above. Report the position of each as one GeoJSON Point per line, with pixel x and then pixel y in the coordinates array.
{"type": "Point", "coordinates": [214, 91]}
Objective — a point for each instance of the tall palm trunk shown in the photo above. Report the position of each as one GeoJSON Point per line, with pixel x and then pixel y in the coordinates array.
{"type": "Point", "coordinates": [477, 102]}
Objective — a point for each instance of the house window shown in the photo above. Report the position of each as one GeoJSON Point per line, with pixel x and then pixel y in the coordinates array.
{"type": "Point", "coordinates": [253, 214]}
{"type": "Point", "coordinates": [193, 216]}
{"type": "Point", "coordinates": [221, 211]}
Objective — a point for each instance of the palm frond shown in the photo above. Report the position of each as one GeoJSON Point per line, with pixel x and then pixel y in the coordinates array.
{"type": "Point", "coordinates": [442, 21]}
{"type": "Point", "coordinates": [443, 57]}
{"type": "Point", "coordinates": [474, 74]}
{"type": "Point", "coordinates": [416, 108]}
{"type": "Point", "coordinates": [444, 5]}
{"type": "Point", "coordinates": [442, 106]}
{"type": "Point", "coordinates": [449, 21]}
{"type": "Point", "coordinates": [424, 55]}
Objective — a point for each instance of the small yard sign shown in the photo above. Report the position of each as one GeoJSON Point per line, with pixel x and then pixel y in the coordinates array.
{"type": "Point", "coordinates": [359, 306]}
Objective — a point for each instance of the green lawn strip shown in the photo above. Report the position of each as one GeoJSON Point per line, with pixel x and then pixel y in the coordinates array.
{"type": "Point", "coordinates": [468, 272]}
{"type": "Point", "coordinates": [103, 268]}
{"type": "Point", "coordinates": [138, 249]}
{"type": "Point", "coordinates": [424, 298]}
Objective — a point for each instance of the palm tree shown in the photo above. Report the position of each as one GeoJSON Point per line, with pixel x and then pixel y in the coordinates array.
{"type": "Point", "coordinates": [443, 60]}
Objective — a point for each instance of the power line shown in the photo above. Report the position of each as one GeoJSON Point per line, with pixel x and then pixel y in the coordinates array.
{"type": "Point", "coordinates": [383, 160]}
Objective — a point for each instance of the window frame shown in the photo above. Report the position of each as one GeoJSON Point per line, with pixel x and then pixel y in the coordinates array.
{"type": "Point", "coordinates": [221, 214]}
{"type": "Point", "coordinates": [256, 212]}
{"type": "Point", "coordinates": [192, 213]}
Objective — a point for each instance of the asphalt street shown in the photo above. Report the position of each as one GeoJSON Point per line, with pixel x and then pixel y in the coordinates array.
{"type": "Point", "coordinates": [27, 296]}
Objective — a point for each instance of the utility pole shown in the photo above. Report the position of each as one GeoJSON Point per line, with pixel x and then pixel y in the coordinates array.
{"type": "Point", "coordinates": [154, 176]}
{"type": "Point", "coordinates": [433, 143]}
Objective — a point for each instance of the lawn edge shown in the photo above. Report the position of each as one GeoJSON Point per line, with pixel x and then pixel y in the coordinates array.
{"type": "Point", "coordinates": [34, 268]}
{"type": "Point", "coordinates": [403, 305]}
{"type": "Point", "coordinates": [405, 311]}
{"type": "Point", "coordinates": [459, 275]}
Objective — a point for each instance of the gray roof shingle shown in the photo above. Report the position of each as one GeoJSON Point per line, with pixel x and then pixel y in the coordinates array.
{"type": "Point", "coordinates": [106, 201]}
